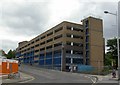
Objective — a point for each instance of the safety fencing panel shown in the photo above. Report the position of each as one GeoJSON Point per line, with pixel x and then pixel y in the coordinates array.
{"type": "Point", "coordinates": [8, 66]}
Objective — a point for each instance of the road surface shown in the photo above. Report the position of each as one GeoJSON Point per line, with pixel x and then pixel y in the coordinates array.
{"type": "Point", "coordinates": [52, 76]}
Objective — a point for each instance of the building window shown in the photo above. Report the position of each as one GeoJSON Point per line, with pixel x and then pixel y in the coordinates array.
{"type": "Point", "coordinates": [37, 45]}
{"type": "Point", "coordinates": [28, 49]}
{"type": "Point", "coordinates": [24, 50]}
{"type": "Point", "coordinates": [81, 37]}
{"type": "Point", "coordinates": [42, 56]}
{"type": "Point", "coordinates": [76, 36]}
{"type": "Point", "coordinates": [76, 29]}
{"type": "Point", "coordinates": [36, 56]}
{"type": "Point", "coordinates": [32, 42]}
{"type": "Point", "coordinates": [68, 28]}
{"type": "Point", "coordinates": [68, 43]}
{"type": "Point", "coordinates": [59, 29]}
{"type": "Point", "coordinates": [36, 50]}
{"type": "Point", "coordinates": [81, 30]}
{"type": "Point", "coordinates": [49, 33]}
{"type": "Point", "coordinates": [58, 44]}
{"type": "Point", "coordinates": [68, 51]}
{"type": "Point", "coordinates": [87, 54]}
{"type": "Point", "coordinates": [57, 53]}
{"type": "Point", "coordinates": [32, 47]}
{"type": "Point", "coordinates": [87, 46]}
{"type": "Point", "coordinates": [87, 32]}
{"type": "Point", "coordinates": [57, 60]}
{"type": "Point", "coordinates": [50, 40]}
{"type": "Point", "coordinates": [42, 49]}
{"type": "Point", "coordinates": [77, 61]}
{"type": "Point", "coordinates": [37, 40]}
{"type": "Point", "coordinates": [36, 61]}
{"type": "Point", "coordinates": [42, 43]}
{"type": "Point", "coordinates": [49, 47]}
{"type": "Point", "coordinates": [28, 44]}
{"type": "Point", "coordinates": [87, 61]}
{"type": "Point", "coordinates": [25, 46]}
{"type": "Point", "coordinates": [77, 52]}
{"type": "Point", "coordinates": [76, 44]}
{"type": "Point", "coordinates": [49, 55]}
{"type": "Point", "coordinates": [57, 37]}
{"type": "Point", "coordinates": [86, 24]}
{"type": "Point", "coordinates": [42, 37]}
{"type": "Point", "coordinates": [87, 38]}
{"type": "Point", "coordinates": [68, 35]}
{"type": "Point", "coordinates": [41, 62]}
{"type": "Point", "coordinates": [48, 61]}
{"type": "Point", "coordinates": [68, 60]}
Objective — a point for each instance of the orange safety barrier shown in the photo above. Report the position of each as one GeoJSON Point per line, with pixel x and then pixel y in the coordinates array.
{"type": "Point", "coordinates": [8, 66]}
{"type": "Point", "coordinates": [14, 67]}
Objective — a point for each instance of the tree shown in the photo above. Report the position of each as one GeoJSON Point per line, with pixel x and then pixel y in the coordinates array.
{"type": "Point", "coordinates": [2, 53]}
{"type": "Point", "coordinates": [11, 54]}
{"type": "Point", "coordinates": [111, 55]}
{"type": "Point", "coordinates": [108, 59]}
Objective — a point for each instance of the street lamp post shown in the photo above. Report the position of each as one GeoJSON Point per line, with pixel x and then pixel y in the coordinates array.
{"type": "Point", "coordinates": [117, 40]}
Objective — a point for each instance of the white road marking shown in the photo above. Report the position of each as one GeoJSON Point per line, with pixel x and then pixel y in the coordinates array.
{"type": "Point", "coordinates": [27, 80]}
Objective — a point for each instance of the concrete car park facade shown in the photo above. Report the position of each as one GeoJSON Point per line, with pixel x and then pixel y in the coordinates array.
{"type": "Point", "coordinates": [65, 45]}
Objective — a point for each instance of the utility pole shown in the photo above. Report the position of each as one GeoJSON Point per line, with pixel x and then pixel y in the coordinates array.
{"type": "Point", "coordinates": [117, 14]}
{"type": "Point", "coordinates": [118, 40]}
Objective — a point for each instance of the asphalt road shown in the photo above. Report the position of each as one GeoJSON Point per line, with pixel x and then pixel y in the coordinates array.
{"type": "Point", "coordinates": [52, 76]}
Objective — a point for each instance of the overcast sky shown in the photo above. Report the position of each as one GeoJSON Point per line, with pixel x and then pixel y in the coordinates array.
{"type": "Point", "coordinates": [22, 20]}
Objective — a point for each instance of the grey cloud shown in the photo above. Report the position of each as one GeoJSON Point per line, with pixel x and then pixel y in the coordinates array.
{"type": "Point", "coordinates": [97, 9]}
{"type": "Point", "coordinates": [109, 21]}
{"type": "Point", "coordinates": [26, 19]}
{"type": "Point", "coordinates": [6, 45]}
{"type": "Point", "coordinates": [31, 18]}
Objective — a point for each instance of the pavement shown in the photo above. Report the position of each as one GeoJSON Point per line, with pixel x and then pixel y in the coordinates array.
{"type": "Point", "coordinates": [107, 78]}
{"type": "Point", "coordinates": [24, 78]}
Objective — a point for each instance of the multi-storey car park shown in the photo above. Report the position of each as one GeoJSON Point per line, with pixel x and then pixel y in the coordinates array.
{"type": "Point", "coordinates": [66, 44]}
